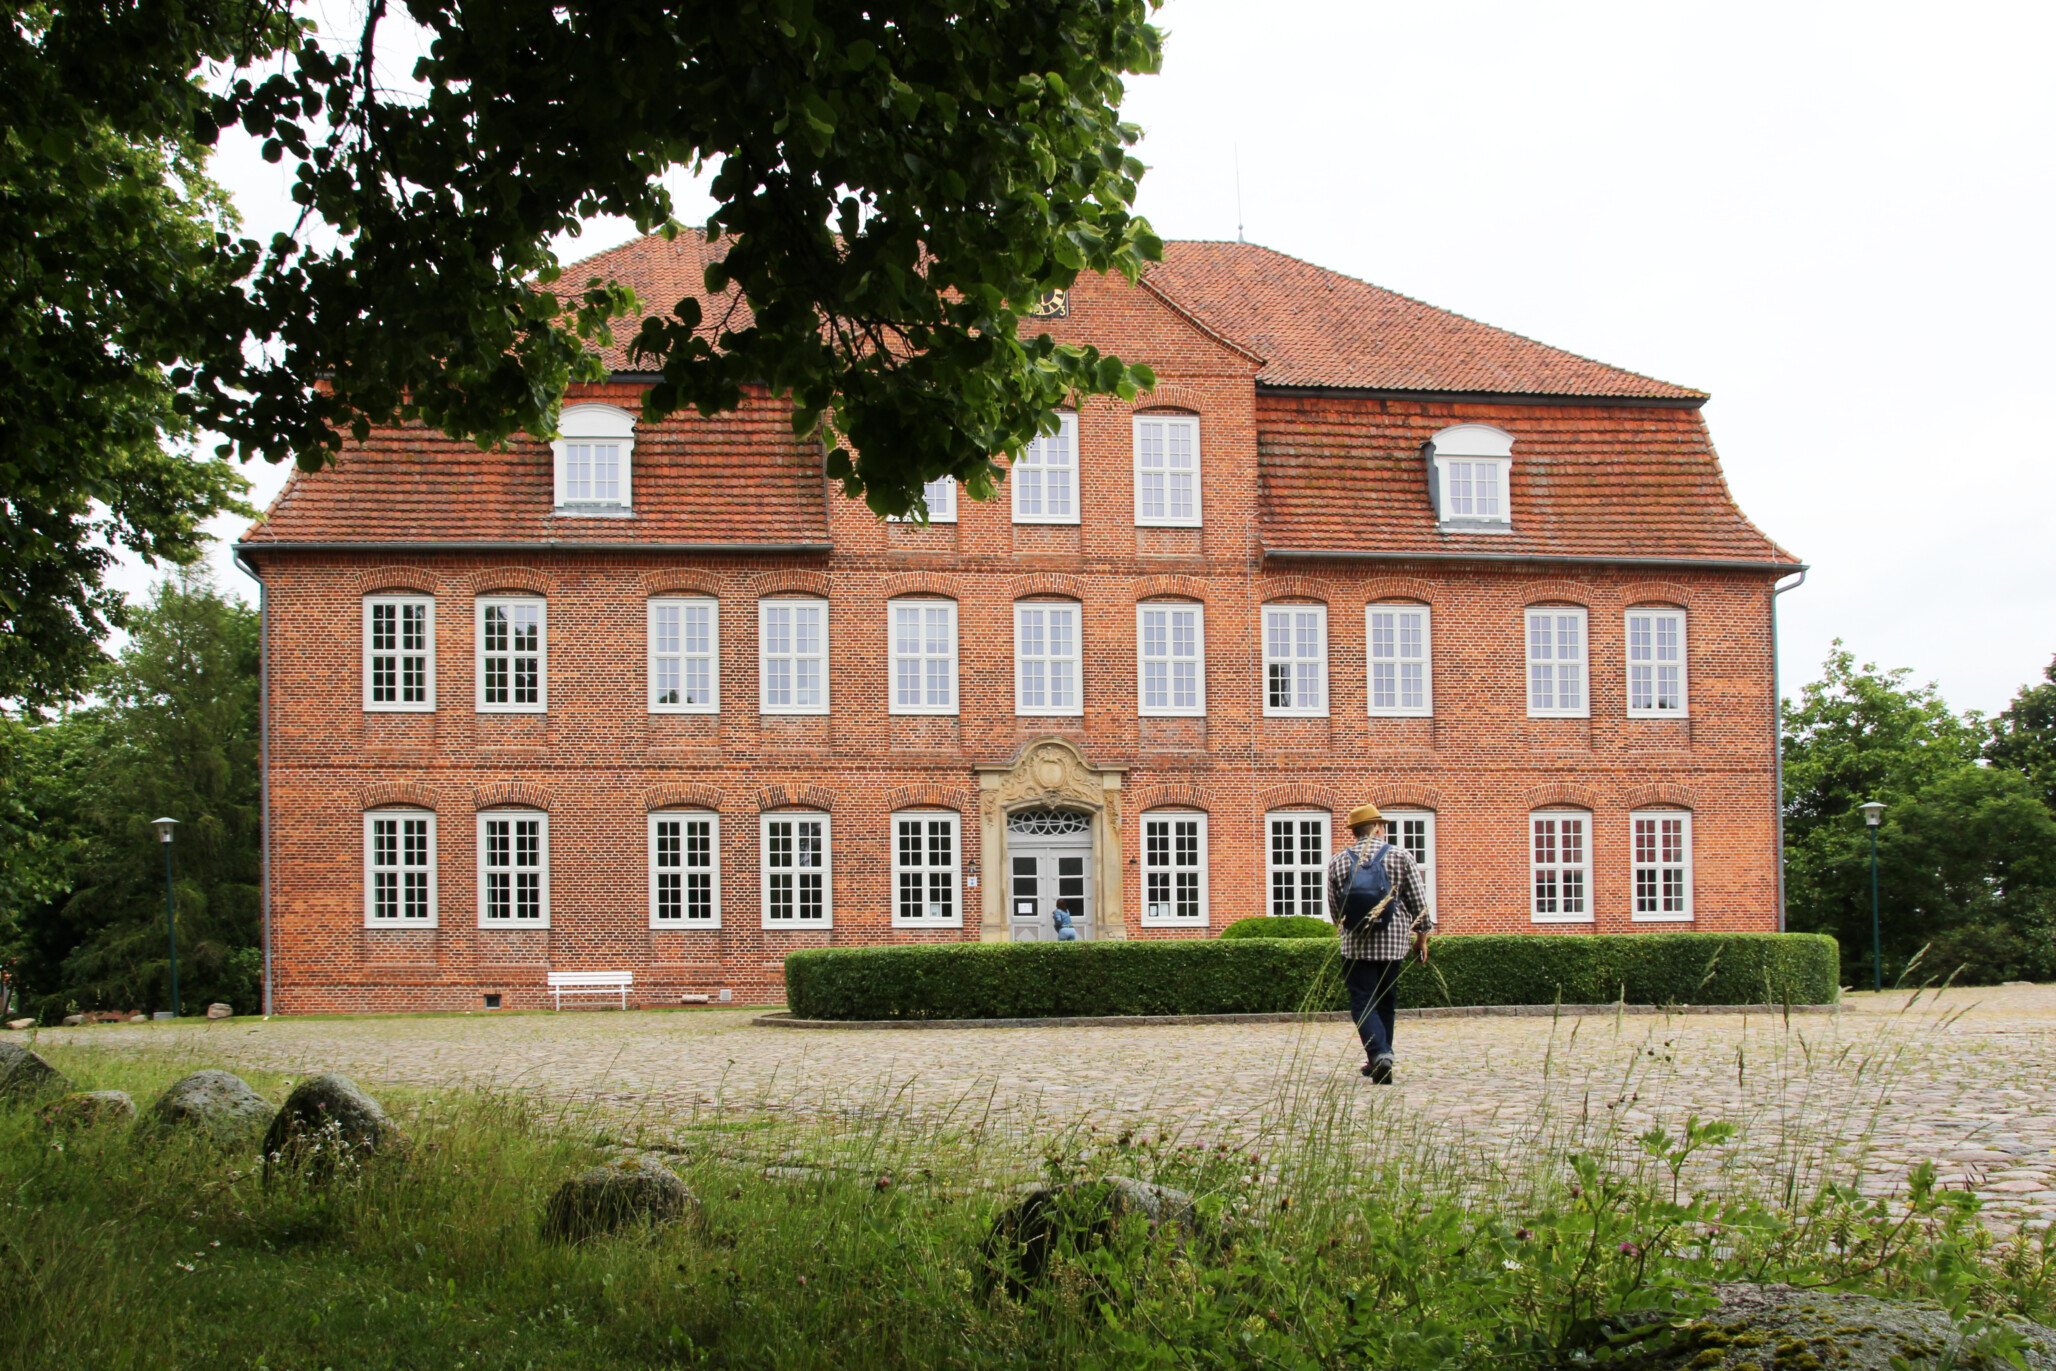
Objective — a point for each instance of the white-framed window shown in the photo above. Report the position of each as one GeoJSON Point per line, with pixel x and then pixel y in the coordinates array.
{"type": "Point", "coordinates": [1656, 663]}
{"type": "Point", "coordinates": [592, 459]}
{"type": "Point", "coordinates": [399, 868]}
{"type": "Point", "coordinates": [1662, 841]}
{"type": "Point", "coordinates": [399, 653]}
{"type": "Point", "coordinates": [792, 656]}
{"type": "Point", "coordinates": [1560, 866]}
{"type": "Point", "coordinates": [926, 858]}
{"type": "Point", "coordinates": [799, 891]}
{"type": "Point", "coordinates": [1170, 650]}
{"type": "Point", "coordinates": [1414, 830]}
{"type": "Point", "coordinates": [1174, 869]}
{"type": "Point", "coordinates": [1556, 662]}
{"type": "Point", "coordinates": [1296, 861]}
{"type": "Point", "coordinates": [1046, 657]}
{"type": "Point", "coordinates": [1295, 659]}
{"type": "Point", "coordinates": [924, 656]}
{"type": "Point", "coordinates": [513, 655]}
{"type": "Point", "coordinates": [1167, 469]}
{"type": "Point", "coordinates": [513, 868]}
{"type": "Point", "coordinates": [1397, 646]}
{"type": "Point", "coordinates": [685, 655]}
{"type": "Point", "coordinates": [1470, 469]}
{"type": "Point", "coordinates": [1045, 476]}
{"type": "Point", "coordinates": [941, 499]}
{"type": "Point", "coordinates": [685, 868]}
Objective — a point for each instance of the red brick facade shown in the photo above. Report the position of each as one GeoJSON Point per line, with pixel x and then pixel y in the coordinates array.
{"type": "Point", "coordinates": [1312, 494]}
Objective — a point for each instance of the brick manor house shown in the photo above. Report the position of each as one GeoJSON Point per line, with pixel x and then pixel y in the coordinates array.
{"type": "Point", "coordinates": [657, 698]}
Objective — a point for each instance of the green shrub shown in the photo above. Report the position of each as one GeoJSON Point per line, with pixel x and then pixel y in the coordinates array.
{"type": "Point", "coordinates": [1290, 926]}
{"type": "Point", "coordinates": [1271, 975]}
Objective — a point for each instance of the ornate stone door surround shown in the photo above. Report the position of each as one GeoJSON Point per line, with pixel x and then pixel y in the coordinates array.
{"type": "Point", "coordinates": [1050, 772]}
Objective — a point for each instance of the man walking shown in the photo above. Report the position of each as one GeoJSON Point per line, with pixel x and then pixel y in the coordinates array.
{"type": "Point", "coordinates": [1374, 951]}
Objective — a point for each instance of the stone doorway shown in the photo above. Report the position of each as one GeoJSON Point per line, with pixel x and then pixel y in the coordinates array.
{"type": "Point", "coordinates": [1049, 867]}
{"type": "Point", "coordinates": [1050, 830]}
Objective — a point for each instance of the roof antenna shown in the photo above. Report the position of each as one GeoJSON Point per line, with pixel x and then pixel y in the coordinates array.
{"type": "Point", "coordinates": [1238, 194]}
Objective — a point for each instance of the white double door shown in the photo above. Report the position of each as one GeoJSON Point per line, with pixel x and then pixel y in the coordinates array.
{"type": "Point", "coordinates": [1043, 873]}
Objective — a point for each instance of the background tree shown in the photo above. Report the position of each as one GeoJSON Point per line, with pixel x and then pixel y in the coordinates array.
{"type": "Point", "coordinates": [2024, 736]}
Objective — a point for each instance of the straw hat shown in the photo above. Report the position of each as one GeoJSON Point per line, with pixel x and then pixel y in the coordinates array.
{"type": "Point", "coordinates": [1365, 814]}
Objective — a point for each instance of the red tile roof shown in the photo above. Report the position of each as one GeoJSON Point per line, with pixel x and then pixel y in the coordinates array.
{"type": "Point", "coordinates": [661, 274]}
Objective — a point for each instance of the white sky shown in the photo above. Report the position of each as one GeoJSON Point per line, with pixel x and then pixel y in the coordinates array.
{"type": "Point", "coordinates": [1834, 217]}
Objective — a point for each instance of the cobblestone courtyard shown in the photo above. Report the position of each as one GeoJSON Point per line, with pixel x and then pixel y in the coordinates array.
{"type": "Point", "coordinates": [1965, 1081]}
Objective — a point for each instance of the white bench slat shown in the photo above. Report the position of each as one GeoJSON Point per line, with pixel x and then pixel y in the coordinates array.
{"type": "Point", "coordinates": [562, 983]}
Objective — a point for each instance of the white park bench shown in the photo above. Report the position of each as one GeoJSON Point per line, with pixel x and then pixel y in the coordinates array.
{"type": "Point", "coordinates": [564, 983]}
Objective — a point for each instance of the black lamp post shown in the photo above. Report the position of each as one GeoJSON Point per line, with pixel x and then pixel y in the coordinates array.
{"type": "Point", "coordinates": [164, 827]}
{"type": "Point", "coordinates": [1873, 812]}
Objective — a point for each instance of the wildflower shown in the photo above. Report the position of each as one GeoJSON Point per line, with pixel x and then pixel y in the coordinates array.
{"type": "Point", "coordinates": [1510, 1264]}
{"type": "Point", "coordinates": [1629, 1249]}
{"type": "Point", "coordinates": [184, 1266]}
{"type": "Point", "coordinates": [803, 1280]}
{"type": "Point", "coordinates": [884, 1183]}
{"type": "Point", "coordinates": [1522, 1234]}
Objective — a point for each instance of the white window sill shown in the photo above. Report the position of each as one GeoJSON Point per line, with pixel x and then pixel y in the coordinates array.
{"type": "Point", "coordinates": [922, 711]}
{"type": "Point", "coordinates": [916, 523]}
{"type": "Point", "coordinates": [801, 711]}
{"type": "Point", "coordinates": [592, 512]}
{"type": "Point", "coordinates": [502, 925]}
{"type": "Point", "coordinates": [400, 709]}
{"type": "Point", "coordinates": [1560, 918]}
{"type": "Point", "coordinates": [513, 709]}
{"type": "Point", "coordinates": [714, 708]}
{"type": "Point", "coordinates": [1148, 922]}
{"type": "Point", "coordinates": [427, 924]}
{"type": "Point", "coordinates": [1662, 918]}
{"type": "Point", "coordinates": [1049, 713]}
{"type": "Point", "coordinates": [797, 925]}
{"type": "Point", "coordinates": [1400, 713]}
{"type": "Point", "coordinates": [1047, 523]}
{"type": "Point", "coordinates": [1559, 714]}
{"type": "Point", "coordinates": [1199, 713]}
{"type": "Point", "coordinates": [1659, 714]}
{"type": "Point", "coordinates": [685, 925]}
{"type": "Point", "coordinates": [1169, 523]}
{"type": "Point", "coordinates": [939, 925]}
{"type": "Point", "coordinates": [1270, 713]}
{"type": "Point", "coordinates": [1474, 526]}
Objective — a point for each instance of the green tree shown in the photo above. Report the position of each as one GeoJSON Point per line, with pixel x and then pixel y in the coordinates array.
{"type": "Point", "coordinates": [174, 733]}
{"type": "Point", "coordinates": [2024, 736]}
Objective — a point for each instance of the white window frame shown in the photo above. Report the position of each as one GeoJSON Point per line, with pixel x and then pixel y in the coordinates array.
{"type": "Point", "coordinates": [541, 703]}
{"type": "Point", "coordinates": [954, 870]}
{"type": "Point", "coordinates": [400, 604]}
{"type": "Point", "coordinates": [1531, 663]}
{"type": "Point", "coordinates": [1397, 814]}
{"type": "Point", "coordinates": [1298, 867]}
{"type": "Point", "coordinates": [594, 426]}
{"type": "Point", "coordinates": [1654, 664]}
{"type": "Point", "coordinates": [1169, 515]}
{"type": "Point", "coordinates": [371, 868]}
{"type": "Point", "coordinates": [1076, 659]}
{"type": "Point", "coordinates": [1169, 659]}
{"type": "Point", "coordinates": [1637, 866]}
{"type": "Point", "coordinates": [924, 659]}
{"type": "Point", "coordinates": [1471, 447]}
{"type": "Point", "coordinates": [685, 922]}
{"type": "Point", "coordinates": [1036, 461]}
{"type": "Point", "coordinates": [765, 871]}
{"type": "Point", "coordinates": [1173, 818]}
{"type": "Point", "coordinates": [765, 656]}
{"type": "Point", "coordinates": [684, 604]}
{"type": "Point", "coordinates": [1399, 661]}
{"type": "Point", "coordinates": [542, 819]}
{"type": "Point", "coordinates": [1318, 709]}
{"type": "Point", "coordinates": [1558, 865]}
{"type": "Point", "coordinates": [941, 499]}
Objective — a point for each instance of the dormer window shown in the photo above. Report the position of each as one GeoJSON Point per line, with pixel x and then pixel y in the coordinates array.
{"type": "Point", "coordinates": [1469, 471]}
{"type": "Point", "coordinates": [592, 457]}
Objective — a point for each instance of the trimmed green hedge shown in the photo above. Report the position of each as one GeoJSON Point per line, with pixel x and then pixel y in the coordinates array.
{"type": "Point", "coordinates": [1271, 975]}
{"type": "Point", "coordinates": [1289, 926]}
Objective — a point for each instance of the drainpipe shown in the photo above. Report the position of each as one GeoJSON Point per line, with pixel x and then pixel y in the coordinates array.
{"type": "Point", "coordinates": [1777, 740]}
{"type": "Point", "coordinates": [263, 762]}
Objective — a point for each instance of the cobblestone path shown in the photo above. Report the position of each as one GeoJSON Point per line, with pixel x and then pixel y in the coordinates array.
{"type": "Point", "coordinates": [1965, 1081]}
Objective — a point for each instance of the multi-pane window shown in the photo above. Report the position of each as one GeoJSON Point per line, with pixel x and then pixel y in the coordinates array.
{"type": "Point", "coordinates": [1474, 490]}
{"type": "Point", "coordinates": [1560, 865]}
{"type": "Point", "coordinates": [1298, 864]}
{"type": "Point", "coordinates": [685, 656]}
{"type": "Point", "coordinates": [1045, 476]}
{"type": "Point", "coordinates": [924, 656]}
{"type": "Point", "coordinates": [1174, 869]}
{"type": "Point", "coordinates": [792, 637]}
{"type": "Point", "coordinates": [941, 500]}
{"type": "Point", "coordinates": [1166, 469]}
{"type": "Point", "coordinates": [399, 867]}
{"type": "Point", "coordinates": [1663, 864]}
{"type": "Point", "coordinates": [797, 889]}
{"type": "Point", "coordinates": [685, 869]}
{"type": "Point", "coordinates": [399, 653]}
{"type": "Point", "coordinates": [1556, 662]}
{"type": "Point", "coordinates": [1656, 662]}
{"type": "Point", "coordinates": [1414, 830]}
{"type": "Point", "coordinates": [1170, 643]}
{"type": "Point", "coordinates": [514, 868]}
{"type": "Point", "coordinates": [592, 459]}
{"type": "Point", "coordinates": [1472, 465]}
{"type": "Point", "coordinates": [1396, 644]}
{"type": "Point", "coordinates": [1295, 659]}
{"type": "Point", "coordinates": [1046, 658]}
{"type": "Point", "coordinates": [924, 869]}
{"type": "Point", "coordinates": [592, 473]}
{"type": "Point", "coordinates": [512, 654]}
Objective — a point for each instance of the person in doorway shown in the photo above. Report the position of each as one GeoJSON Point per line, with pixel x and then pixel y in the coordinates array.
{"type": "Point", "coordinates": [1065, 932]}
{"type": "Point", "coordinates": [1377, 947]}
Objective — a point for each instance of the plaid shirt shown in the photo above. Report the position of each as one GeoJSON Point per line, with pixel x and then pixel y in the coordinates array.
{"type": "Point", "coordinates": [1410, 897]}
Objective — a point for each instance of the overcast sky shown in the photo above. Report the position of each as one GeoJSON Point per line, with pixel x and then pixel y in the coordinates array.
{"type": "Point", "coordinates": [1836, 218]}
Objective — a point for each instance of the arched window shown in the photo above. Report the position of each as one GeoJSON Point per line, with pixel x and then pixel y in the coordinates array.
{"type": "Point", "coordinates": [1560, 865]}
{"type": "Point", "coordinates": [1174, 893]}
{"type": "Point", "coordinates": [399, 868]}
{"type": "Point", "coordinates": [685, 868]}
{"type": "Point", "coordinates": [592, 458]}
{"type": "Point", "coordinates": [1469, 472]}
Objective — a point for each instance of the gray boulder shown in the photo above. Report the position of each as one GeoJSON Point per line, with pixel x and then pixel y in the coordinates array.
{"type": "Point", "coordinates": [88, 1109]}
{"type": "Point", "coordinates": [220, 1011]}
{"type": "Point", "coordinates": [26, 1076]}
{"type": "Point", "coordinates": [1807, 1330]}
{"type": "Point", "coordinates": [1079, 1214]}
{"type": "Point", "coordinates": [215, 1103]}
{"type": "Point", "coordinates": [327, 1117]}
{"type": "Point", "coordinates": [639, 1191]}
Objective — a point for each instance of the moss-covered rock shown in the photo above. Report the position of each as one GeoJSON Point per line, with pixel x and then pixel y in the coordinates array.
{"type": "Point", "coordinates": [1779, 1328]}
